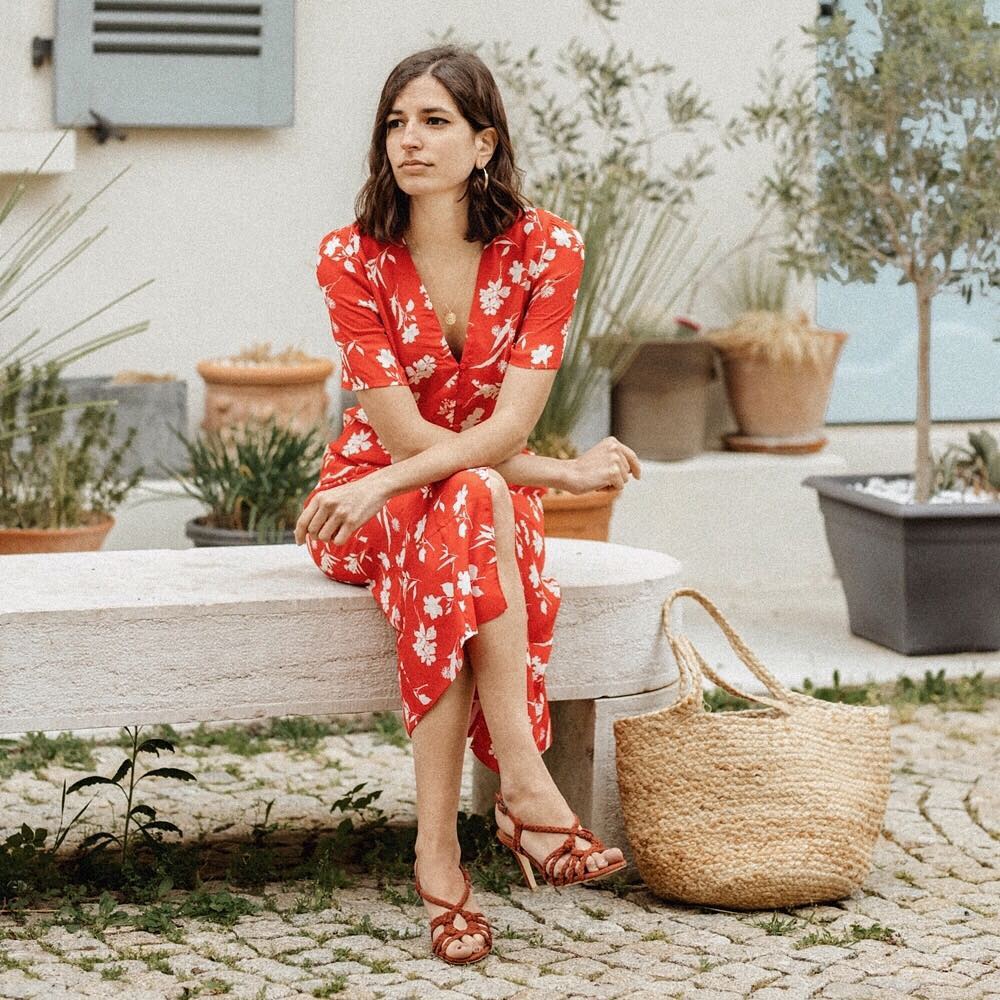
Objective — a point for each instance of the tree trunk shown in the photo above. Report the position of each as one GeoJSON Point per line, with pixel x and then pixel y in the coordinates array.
{"type": "Point", "coordinates": [924, 470]}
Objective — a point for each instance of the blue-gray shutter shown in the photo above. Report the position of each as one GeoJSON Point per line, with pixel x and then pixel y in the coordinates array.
{"type": "Point", "coordinates": [174, 64]}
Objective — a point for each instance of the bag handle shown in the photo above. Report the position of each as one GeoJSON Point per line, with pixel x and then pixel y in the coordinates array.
{"type": "Point", "coordinates": [691, 664]}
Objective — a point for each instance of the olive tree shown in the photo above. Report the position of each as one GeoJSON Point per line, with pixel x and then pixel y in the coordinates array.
{"type": "Point", "coordinates": [891, 159]}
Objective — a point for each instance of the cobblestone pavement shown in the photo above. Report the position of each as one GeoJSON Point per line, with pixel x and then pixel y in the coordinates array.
{"type": "Point", "coordinates": [925, 925]}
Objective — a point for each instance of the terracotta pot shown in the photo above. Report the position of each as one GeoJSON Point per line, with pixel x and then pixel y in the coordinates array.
{"type": "Point", "coordinates": [294, 394]}
{"type": "Point", "coordinates": [86, 538]}
{"type": "Point", "coordinates": [780, 406]}
{"type": "Point", "coordinates": [584, 515]}
{"type": "Point", "coordinates": [660, 405]}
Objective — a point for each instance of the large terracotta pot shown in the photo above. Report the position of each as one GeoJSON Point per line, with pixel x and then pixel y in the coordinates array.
{"type": "Point", "coordinates": [294, 394]}
{"type": "Point", "coordinates": [86, 538]}
{"type": "Point", "coordinates": [780, 406]}
{"type": "Point", "coordinates": [584, 515]}
{"type": "Point", "coordinates": [660, 404]}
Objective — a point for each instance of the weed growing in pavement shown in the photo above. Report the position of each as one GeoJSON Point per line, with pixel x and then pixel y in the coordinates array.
{"type": "Point", "coordinates": [140, 815]}
{"type": "Point", "coordinates": [857, 932]}
{"type": "Point", "coordinates": [337, 984]}
{"type": "Point", "coordinates": [775, 925]}
{"type": "Point", "coordinates": [34, 750]}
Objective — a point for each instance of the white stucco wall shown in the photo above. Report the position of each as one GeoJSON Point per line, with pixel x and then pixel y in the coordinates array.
{"type": "Point", "coordinates": [227, 220]}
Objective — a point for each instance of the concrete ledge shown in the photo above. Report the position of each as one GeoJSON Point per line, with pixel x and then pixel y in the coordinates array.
{"type": "Point", "coordinates": [93, 639]}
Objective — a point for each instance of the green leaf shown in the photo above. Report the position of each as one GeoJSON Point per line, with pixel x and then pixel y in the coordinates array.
{"type": "Point", "coordinates": [169, 772]}
{"type": "Point", "coordinates": [94, 779]}
{"type": "Point", "coordinates": [123, 769]}
{"type": "Point", "coordinates": [154, 745]}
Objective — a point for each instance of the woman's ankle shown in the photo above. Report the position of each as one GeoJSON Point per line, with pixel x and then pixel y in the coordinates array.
{"type": "Point", "coordinates": [526, 783]}
{"type": "Point", "coordinates": [437, 850]}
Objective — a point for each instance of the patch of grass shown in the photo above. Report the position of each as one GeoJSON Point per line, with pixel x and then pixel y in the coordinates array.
{"type": "Point", "coordinates": [365, 926]}
{"type": "Point", "coordinates": [337, 984]}
{"type": "Point", "coordinates": [959, 734]}
{"type": "Point", "coordinates": [575, 935]}
{"type": "Point", "coordinates": [407, 898]}
{"type": "Point", "coordinates": [655, 935]}
{"type": "Point", "coordinates": [857, 932]}
{"type": "Point", "coordinates": [112, 972]}
{"type": "Point", "coordinates": [156, 961]}
{"type": "Point", "coordinates": [776, 925]}
{"type": "Point", "coordinates": [534, 938]}
{"type": "Point", "coordinates": [213, 987]}
{"type": "Point", "coordinates": [34, 751]}
{"type": "Point", "coordinates": [389, 729]}
{"type": "Point", "coordinates": [219, 907]}
{"type": "Point", "coordinates": [595, 912]}
{"type": "Point", "coordinates": [705, 964]}
{"type": "Point", "coordinates": [909, 879]}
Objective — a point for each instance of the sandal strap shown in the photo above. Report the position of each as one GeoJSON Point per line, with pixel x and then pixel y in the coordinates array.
{"type": "Point", "coordinates": [476, 923]}
{"type": "Point", "coordinates": [572, 869]}
{"type": "Point", "coordinates": [444, 902]}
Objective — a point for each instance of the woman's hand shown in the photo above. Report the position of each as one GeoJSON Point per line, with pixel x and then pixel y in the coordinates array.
{"type": "Point", "coordinates": [335, 514]}
{"type": "Point", "coordinates": [607, 467]}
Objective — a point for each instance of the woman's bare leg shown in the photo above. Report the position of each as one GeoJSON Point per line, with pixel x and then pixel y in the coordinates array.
{"type": "Point", "coordinates": [438, 751]}
{"type": "Point", "coordinates": [498, 661]}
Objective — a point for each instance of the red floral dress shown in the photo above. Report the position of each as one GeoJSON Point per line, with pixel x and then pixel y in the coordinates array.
{"type": "Point", "coordinates": [429, 556]}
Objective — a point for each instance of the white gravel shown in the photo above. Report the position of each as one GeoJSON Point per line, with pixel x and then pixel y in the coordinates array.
{"type": "Point", "coordinates": [903, 490]}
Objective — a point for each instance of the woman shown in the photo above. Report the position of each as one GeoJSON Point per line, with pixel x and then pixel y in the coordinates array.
{"type": "Point", "coordinates": [450, 298]}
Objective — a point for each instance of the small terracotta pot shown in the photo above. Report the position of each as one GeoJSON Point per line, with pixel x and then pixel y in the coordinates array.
{"type": "Point", "coordinates": [780, 406]}
{"type": "Point", "coordinates": [237, 394]}
{"type": "Point", "coordinates": [584, 515]}
{"type": "Point", "coordinates": [86, 538]}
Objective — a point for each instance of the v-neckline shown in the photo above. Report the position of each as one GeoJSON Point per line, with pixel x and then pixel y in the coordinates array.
{"type": "Point", "coordinates": [458, 362]}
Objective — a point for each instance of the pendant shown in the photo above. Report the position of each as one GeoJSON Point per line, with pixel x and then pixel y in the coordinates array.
{"type": "Point", "coordinates": [450, 319]}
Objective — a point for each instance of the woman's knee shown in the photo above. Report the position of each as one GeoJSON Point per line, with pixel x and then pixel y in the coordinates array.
{"type": "Point", "coordinates": [483, 481]}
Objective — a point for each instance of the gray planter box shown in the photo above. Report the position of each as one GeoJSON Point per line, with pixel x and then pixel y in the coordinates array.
{"type": "Point", "coordinates": [205, 536]}
{"type": "Point", "coordinates": [918, 578]}
{"type": "Point", "coordinates": [151, 407]}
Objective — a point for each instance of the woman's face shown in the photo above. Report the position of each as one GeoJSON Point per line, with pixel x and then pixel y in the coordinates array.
{"type": "Point", "coordinates": [424, 125]}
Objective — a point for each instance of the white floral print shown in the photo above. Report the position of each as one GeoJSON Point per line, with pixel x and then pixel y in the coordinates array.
{"type": "Point", "coordinates": [429, 557]}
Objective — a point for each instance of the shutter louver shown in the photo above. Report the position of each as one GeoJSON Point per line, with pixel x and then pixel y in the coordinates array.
{"type": "Point", "coordinates": [171, 63]}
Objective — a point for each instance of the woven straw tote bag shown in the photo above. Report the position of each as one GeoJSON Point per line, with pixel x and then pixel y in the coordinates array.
{"type": "Point", "coordinates": [756, 809]}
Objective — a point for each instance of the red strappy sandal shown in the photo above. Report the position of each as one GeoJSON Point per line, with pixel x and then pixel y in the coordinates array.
{"type": "Point", "coordinates": [476, 923]}
{"type": "Point", "coordinates": [569, 872]}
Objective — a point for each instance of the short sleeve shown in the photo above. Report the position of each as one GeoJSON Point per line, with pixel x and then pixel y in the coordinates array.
{"type": "Point", "coordinates": [557, 268]}
{"type": "Point", "coordinates": [367, 358]}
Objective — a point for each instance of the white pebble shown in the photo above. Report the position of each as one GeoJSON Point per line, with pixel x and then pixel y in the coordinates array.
{"type": "Point", "coordinates": [903, 491]}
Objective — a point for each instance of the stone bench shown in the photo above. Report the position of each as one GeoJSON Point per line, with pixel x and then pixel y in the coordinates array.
{"type": "Point", "coordinates": [98, 639]}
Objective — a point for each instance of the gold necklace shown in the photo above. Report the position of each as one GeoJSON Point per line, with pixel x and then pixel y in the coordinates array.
{"type": "Point", "coordinates": [449, 317]}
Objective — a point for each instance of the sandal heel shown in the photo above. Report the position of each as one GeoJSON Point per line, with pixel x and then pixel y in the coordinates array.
{"type": "Point", "coordinates": [528, 871]}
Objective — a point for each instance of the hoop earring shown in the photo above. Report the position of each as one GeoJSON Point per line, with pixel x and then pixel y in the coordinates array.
{"type": "Point", "coordinates": [486, 179]}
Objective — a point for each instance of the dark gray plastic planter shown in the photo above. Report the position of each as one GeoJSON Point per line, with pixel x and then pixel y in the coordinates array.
{"type": "Point", "coordinates": [205, 536]}
{"type": "Point", "coordinates": [918, 578]}
{"type": "Point", "coordinates": [151, 407]}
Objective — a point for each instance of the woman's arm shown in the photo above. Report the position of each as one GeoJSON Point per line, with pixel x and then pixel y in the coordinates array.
{"type": "Point", "coordinates": [448, 451]}
{"type": "Point", "coordinates": [518, 469]}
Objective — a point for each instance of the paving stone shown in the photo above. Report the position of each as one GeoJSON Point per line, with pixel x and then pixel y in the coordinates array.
{"type": "Point", "coordinates": [637, 947]}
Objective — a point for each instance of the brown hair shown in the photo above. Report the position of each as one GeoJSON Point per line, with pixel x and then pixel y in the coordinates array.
{"type": "Point", "coordinates": [383, 208]}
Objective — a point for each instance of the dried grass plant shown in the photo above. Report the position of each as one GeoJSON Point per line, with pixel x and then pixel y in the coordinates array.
{"type": "Point", "coordinates": [789, 338]}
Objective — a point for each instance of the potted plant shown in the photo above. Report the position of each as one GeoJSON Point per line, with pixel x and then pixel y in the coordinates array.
{"type": "Point", "coordinates": [258, 383]}
{"type": "Point", "coordinates": [895, 187]}
{"type": "Point", "coordinates": [659, 402]}
{"type": "Point", "coordinates": [151, 403]}
{"type": "Point", "coordinates": [623, 273]}
{"type": "Point", "coordinates": [57, 495]}
{"type": "Point", "coordinates": [252, 478]}
{"type": "Point", "coordinates": [611, 181]}
{"type": "Point", "coordinates": [777, 365]}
